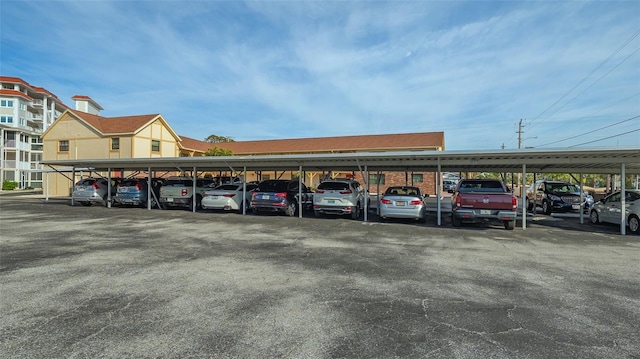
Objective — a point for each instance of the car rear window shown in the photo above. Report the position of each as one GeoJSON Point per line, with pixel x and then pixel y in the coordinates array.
{"type": "Point", "coordinates": [129, 182]}
{"type": "Point", "coordinates": [229, 187]}
{"type": "Point", "coordinates": [336, 186]}
{"type": "Point", "coordinates": [403, 191]}
{"type": "Point", "coordinates": [273, 186]}
{"type": "Point", "coordinates": [86, 182]}
{"type": "Point", "coordinates": [481, 186]}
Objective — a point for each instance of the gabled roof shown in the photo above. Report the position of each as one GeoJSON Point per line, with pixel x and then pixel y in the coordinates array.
{"type": "Point", "coordinates": [364, 143]}
{"type": "Point", "coordinates": [195, 145]}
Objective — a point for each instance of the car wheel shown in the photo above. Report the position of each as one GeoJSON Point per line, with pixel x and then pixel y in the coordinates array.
{"type": "Point", "coordinates": [318, 214]}
{"type": "Point", "coordinates": [510, 225]}
{"type": "Point", "coordinates": [455, 221]}
{"type": "Point", "coordinates": [593, 216]}
{"type": "Point", "coordinates": [355, 215]}
{"type": "Point", "coordinates": [245, 206]}
{"type": "Point", "coordinates": [634, 223]}
{"type": "Point", "coordinates": [546, 207]}
{"type": "Point", "coordinates": [529, 205]}
{"type": "Point", "coordinates": [291, 209]}
{"type": "Point", "coordinates": [255, 211]}
{"type": "Point", "coordinates": [198, 202]}
{"type": "Point", "coordinates": [86, 204]}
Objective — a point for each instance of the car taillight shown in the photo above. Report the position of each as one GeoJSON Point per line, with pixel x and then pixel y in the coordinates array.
{"type": "Point", "coordinates": [415, 202]}
{"type": "Point", "coordinates": [319, 191]}
{"type": "Point", "coordinates": [138, 186]}
{"type": "Point", "coordinates": [514, 203]}
{"type": "Point", "coordinates": [458, 202]}
{"type": "Point", "coordinates": [346, 192]}
{"type": "Point", "coordinates": [385, 201]}
{"type": "Point", "coordinates": [183, 192]}
{"type": "Point", "coordinates": [228, 195]}
{"type": "Point", "coordinates": [95, 185]}
{"type": "Point", "coordinates": [281, 194]}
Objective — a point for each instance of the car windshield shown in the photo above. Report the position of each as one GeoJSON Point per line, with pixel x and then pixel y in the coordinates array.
{"type": "Point", "coordinates": [403, 191]}
{"type": "Point", "coordinates": [562, 188]}
{"type": "Point", "coordinates": [481, 186]}
{"type": "Point", "coordinates": [336, 186]}
{"type": "Point", "coordinates": [273, 186]}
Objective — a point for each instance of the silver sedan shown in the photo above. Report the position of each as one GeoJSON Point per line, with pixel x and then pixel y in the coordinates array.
{"type": "Point", "coordinates": [228, 197]}
{"type": "Point", "coordinates": [402, 202]}
{"type": "Point", "coordinates": [609, 210]}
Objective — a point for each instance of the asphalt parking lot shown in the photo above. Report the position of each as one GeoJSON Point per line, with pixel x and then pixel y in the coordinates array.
{"type": "Point", "coordinates": [87, 282]}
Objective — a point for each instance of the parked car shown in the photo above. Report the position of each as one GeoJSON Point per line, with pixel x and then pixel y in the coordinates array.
{"type": "Point", "coordinates": [557, 196]}
{"type": "Point", "coordinates": [449, 185]}
{"type": "Point", "coordinates": [609, 210]}
{"type": "Point", "coordinates": [483, 200]}
{"type": "Point", "coordinates": [91, 190]}
{"type": "Point", "coordinates": [280, 196]}
{"type": "Point", "coordinates": [134, 191]}
{"type": "Point", "coordinates": [229, 197]}
{"type": "Point", "coordinates": [178, 191]}
{"type": "Point", "coordinates": [220, 180]}
{"type": "Point", "coordinates": [402, 202]}
{"type": "Point", "coordinates": [340, 196]}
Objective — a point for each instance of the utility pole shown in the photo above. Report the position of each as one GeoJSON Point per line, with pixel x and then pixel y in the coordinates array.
{"type": "Point", "coordinates": [520, 132]}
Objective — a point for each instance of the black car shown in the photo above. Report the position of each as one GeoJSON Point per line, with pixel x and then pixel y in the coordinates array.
{"type": "Point", "coordinates": [556, 196]}
{"type": "Point", "coordinates": [280, 196]}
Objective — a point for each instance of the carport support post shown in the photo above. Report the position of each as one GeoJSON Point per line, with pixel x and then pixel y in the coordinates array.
{"type": "Point", "coordinates": [582, 203]}
{"type": "Point", "coordinates": [439, 193]}
{"type": "Point", "coordinates": [366, 194]}
{"type": "Point", "coordinates": [300, 191]}
{"type": "Point", "coordinates": [523, 197]}
{"type": "Point", "coordinates": [623, 202]}
{"type": "Point", "coordinates": [46, 191]}
{"type": "Point", "coordinates": [73, 181]}
{"type": "Point", "coordinates": [109, 188]}
{"type": "Point", "coordinates": [244, 189]}
{"type": "Point", "coordinates": [149, 189]}
{"type": "Point", "coordinates": [193, 193]}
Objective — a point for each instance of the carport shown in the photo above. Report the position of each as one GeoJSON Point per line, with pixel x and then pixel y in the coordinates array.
{"type": "Point", "coordinates": [618, 161]}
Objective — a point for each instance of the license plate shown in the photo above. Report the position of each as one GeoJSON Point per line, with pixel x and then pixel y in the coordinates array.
{"type": "Point", "coordinates": [331, 201]}
{"type": "Point", "coordinates": [485, 211]}
{"type": "Point", "coordinates": [575, 206]}
{"type": "Point", "coordinates": [400, 203]}
{"type": "Point", "coordinates": [169, 199]}
{"type": "Point", "coordinates": [214, 197]}
{"type": "Point", "coordinates": [265, 196]}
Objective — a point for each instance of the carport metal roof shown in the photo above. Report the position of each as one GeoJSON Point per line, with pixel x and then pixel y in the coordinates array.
{"type": "Point", "coordinates": [606, 161]}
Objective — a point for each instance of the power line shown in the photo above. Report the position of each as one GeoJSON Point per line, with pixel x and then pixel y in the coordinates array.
{"type": "Point", "coordinates": [606, 138]}
{"type": "Point", "coordinates": [613, 54]}
{"type": "Point", "coordinates": [586, 133]}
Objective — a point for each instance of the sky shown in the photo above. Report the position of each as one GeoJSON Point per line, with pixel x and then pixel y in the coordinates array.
{"type": "Point", "coordinates": [261, 70]}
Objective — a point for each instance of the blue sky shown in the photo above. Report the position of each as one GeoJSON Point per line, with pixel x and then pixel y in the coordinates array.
{"type": "Point", "coordinates": [294, 69]}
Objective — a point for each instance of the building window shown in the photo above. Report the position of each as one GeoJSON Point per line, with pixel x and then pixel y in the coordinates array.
{"type": "Point", "coordinates": [376, 179]}
{"type": "Point", "coordinates": [21, 121]}
{"type": "Point", "coordinates": [155, 146]}
{"type": "Point", "coordinates": [6, 119]}
{"type": "Point", "coordinates": [63, 146]}
{"type": "Point", "coordinates": [417, 178]}
{"type": "Point", "coordinates": [115, 143]}
{"type": "Point", "coordinates": [6, 103]}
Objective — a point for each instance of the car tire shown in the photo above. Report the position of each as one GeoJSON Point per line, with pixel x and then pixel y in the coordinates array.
{"type": "Point", "coordinates": [546, 207]}
{"type": "Point", "coordinates": [510, 225]}
{"type": "Point", "coordinates": [634, 224]}
{"type": "Point", "coordinates": [355, 214]}
{"type": "Point", "coordinates": [529, 205]}
{"type": "Point", "coordinates": [255, 211]}
{"type": "Point", "coordinates": [291, 209]}
{"type": "Point", "coordinates": [198, 202]}
{"type": "Point", "coordinates": [318, 214]}
{"type": "Point", "coordinates": [593, 216]}
{"type": "Point", "coordinates": [455, 221]}
{"type": "Point", "coordinates": [86, 204]}
{"type": "Point", "coordinates": [246, 207]}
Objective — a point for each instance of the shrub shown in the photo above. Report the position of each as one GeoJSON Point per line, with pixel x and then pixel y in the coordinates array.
{"type": "Point", "coordinates": [9, 185]}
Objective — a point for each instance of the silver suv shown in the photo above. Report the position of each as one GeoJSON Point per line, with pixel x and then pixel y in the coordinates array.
{"type": "Point", "coordinates": [339, 196]}
{"type": "Point", "coordinates": [93, 190]}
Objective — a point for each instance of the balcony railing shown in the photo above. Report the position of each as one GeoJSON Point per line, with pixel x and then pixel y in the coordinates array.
{"type": "Point", "coordinates": [38, 102]}
{"type": "Point", "coordinates": [9, 164]}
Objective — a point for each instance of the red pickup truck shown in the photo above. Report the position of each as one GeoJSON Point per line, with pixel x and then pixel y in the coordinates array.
{"type": "Point", "coordinates": [480, 200]}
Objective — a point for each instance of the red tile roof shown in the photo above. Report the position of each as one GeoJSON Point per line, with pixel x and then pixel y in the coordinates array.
{"type": "Point", "coordinates": [197, 145]}
{"type": "Point", "coordinates": [87, 98]}
{"type": "Point", "coordinates": [396, 142]}
{"type": "Point", "coordinates": [15, 93]}
{"type": "Point", "coordinates": [18, 80]}
{"type": "Point", "coordinates": [115, 125]}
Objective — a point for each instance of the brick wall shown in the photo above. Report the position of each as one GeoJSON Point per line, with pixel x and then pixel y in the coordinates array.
{"type": "Point", "coordinates": [427, 186]}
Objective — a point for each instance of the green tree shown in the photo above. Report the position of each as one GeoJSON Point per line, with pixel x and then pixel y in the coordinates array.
{"type": "Point", "coordinates": [217, 151]}
{"type": "Point", "coordinates": [218, 139]}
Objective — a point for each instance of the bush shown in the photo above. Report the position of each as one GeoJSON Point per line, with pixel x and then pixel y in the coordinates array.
{"type": "Point", "coordinates": [9, 185]}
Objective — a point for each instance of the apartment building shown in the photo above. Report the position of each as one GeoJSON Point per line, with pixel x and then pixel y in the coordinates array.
{"type": "Point", "coordinates": [26, 111]}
